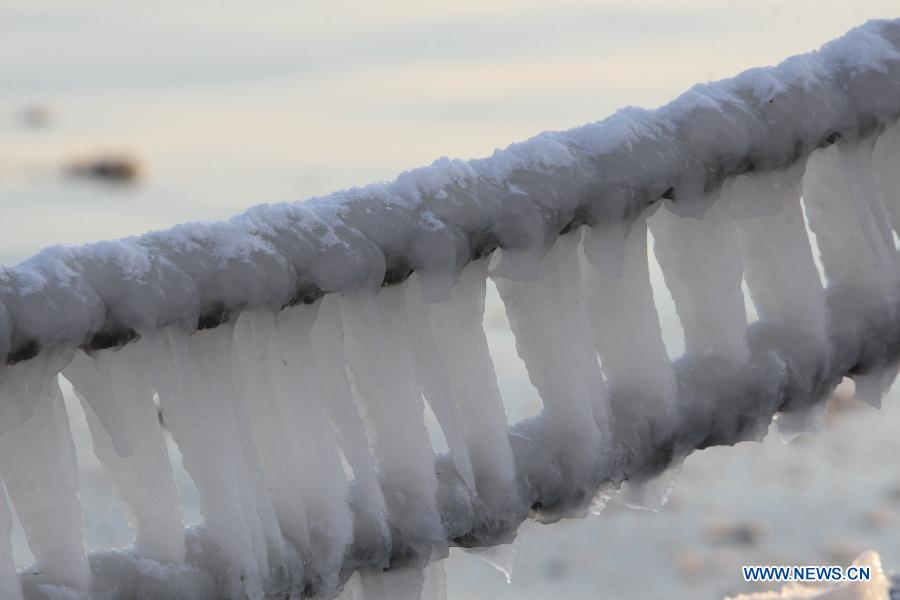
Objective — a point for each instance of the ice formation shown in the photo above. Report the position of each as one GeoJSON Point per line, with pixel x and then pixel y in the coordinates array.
{"type": "Point", "coordinates": [292, 350]}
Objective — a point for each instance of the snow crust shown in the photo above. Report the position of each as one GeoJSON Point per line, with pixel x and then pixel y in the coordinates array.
{"type": "Point", "coordinates": [292, 349]}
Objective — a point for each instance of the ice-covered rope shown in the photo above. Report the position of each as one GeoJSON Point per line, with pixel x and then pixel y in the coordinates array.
{"type": "Point", "coordinates": [291, 348]}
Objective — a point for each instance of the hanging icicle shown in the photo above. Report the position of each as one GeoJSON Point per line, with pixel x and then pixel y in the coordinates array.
{"type": "Point", "coordinates": [549, 319]}
{"type": "Point", "coordinates": [118, 402]}
{"type": "Point", "coordinates": [37, 461]}
{"type": "Point", "coordinates": [703, 271]}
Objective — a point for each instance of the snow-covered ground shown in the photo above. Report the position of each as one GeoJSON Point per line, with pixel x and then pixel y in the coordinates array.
{"type": "Point", "coordinates": [228, 108]}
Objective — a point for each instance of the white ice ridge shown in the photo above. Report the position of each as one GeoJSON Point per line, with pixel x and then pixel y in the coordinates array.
{"type": "Point", "coordinates": [292, 351]}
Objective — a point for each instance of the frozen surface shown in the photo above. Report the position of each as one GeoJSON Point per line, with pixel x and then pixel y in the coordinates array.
{"type": "Point", "coordinates": [292, 350]}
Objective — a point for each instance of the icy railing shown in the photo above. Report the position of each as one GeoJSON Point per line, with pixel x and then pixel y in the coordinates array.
{"type": "Point", "coordinates": [290, 348]}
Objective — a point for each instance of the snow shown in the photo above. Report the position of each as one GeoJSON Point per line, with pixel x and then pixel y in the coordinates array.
{"type": "Point", "coordinates": [292, 350]}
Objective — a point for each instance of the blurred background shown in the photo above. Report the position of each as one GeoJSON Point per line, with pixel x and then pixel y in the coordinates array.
{"type": "Point", "coordinates": [119, 117]}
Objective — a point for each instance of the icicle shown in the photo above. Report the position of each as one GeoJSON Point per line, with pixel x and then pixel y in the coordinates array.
{"type": "Point", "coordinates": [652, 494]}
{"type": "Point", "coordinates": [128, 441]}
{"type": "Point", "coordinates": [405, 583]}
{"type": "Point", "coordinates": [775, 250]}
{"type": "Point", "coordinates": [552, 330]}
{"type": "Point", "coordinates": [334, 392]}
{"type": "Point", "coordinates": [574, 310]}
{"type": "Point", "coordinates": [872, 387]}
{"type": "Point", "coordinates": [502, 557]}
{"type": "Point", "coordinates": [702, 269]}
{"type": "Point", "coordinates": [377, 351]}
{"type": "Point", "coordinates": [9, 579]}
{"type": "Point", "coordinates": [849, 219]}
{"type": "Point", "coordinates": [792, 425]}
{"type": "Point", "coordinates": [21, 385]}
{"type": "Point", "coordinates": [847, 213]}
{"type": "Point", "coordinates": [606, 491]}
{"type": "Point", "coordinates": [433, 381]}
{"type": "Point", "coordinates": [459, 338]}
{"type": "Point", "coordinates": [194, 379]}
{"type": "Point", "coordinates": [604, 247]}
{"type": "Point", "coordinates": [886, 159]}
{"type": "Point", "coordinates": [292, 433]}
{"type": "Point", "coordinates": [625, 324]}
{"type": "Point", "coordinates": [93, 385]}
{"type": "Point", "coordinates": [352, 588]}
{"type": "Point", "coordinates": [627, 336]}
{"type": "Point", "coordinates": [371, 584]}
{"type": "Point", "coordinates": [37, 460]}
{"type": "Point", "coordinates": [435, 585]}
{"type": "Point", "coordinates": [786, 289]}
{"type": "Point", "coordinates": [273, 437]}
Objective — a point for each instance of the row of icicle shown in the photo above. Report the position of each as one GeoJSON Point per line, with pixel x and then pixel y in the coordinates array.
{"type": "Point", "coordinates": [303, 429]}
